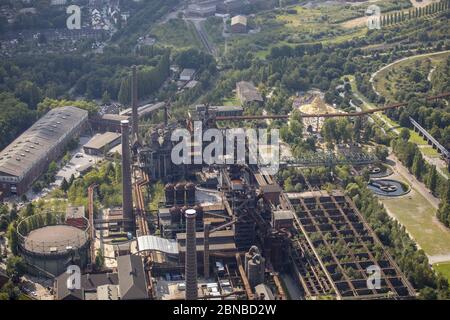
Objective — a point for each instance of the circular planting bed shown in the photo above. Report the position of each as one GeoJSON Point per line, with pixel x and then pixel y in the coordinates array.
{"type": "Point", "coordinates": [388, 187]}
{"type": "Point", "coordinates": [379, 171]}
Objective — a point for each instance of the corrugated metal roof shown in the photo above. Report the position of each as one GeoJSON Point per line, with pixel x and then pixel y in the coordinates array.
{"type": "Point", "coordinates": [152, 243]}
{"type": "Point", "coordinates": [36, 142]}
{"type": "Point", "coordinates": [239, 20]}
{"type": "Point", "coordinates": [101, 140]}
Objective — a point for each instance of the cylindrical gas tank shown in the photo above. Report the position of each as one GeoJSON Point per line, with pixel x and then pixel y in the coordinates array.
{"type": "Point", "coordinates": [175, 215]}
{"type": "Point", "coordinates": [190, 194]}
{"type": "Point", "coordinates": [199, 210]}
{"type": "Point", "coordinates": [180, 193]}
{"type": "Point", "coordinates": [169, 192]}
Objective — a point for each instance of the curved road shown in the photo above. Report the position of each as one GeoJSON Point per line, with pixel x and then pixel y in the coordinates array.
{"type": "Point", "coordinates": [372, 77]}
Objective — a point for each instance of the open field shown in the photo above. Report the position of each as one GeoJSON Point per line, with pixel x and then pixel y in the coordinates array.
{"type": "Point", "coordinates": [176, 33]}
{"type": "Point", "coordinates": [419, 218]}
{"type": "Point", "coordinates": [231, 101]}
{"type": "Point", "coordinates": [443, 268]}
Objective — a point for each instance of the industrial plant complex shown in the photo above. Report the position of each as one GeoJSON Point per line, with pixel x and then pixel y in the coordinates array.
{"type": "Point", "coordinates": [262, 173]}
{"type": "Point", "coordinates": [222, 231]}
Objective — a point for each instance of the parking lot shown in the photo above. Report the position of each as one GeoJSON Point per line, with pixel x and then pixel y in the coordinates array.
{"type": "Point", "coordinates": [78, 161]}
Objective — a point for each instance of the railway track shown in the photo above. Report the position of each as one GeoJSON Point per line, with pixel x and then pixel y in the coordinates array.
{"type": "Point", "coordinates": [141, 219]}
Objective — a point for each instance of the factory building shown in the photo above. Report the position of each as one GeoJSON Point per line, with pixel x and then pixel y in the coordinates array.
{"type": "Point", "coordinates": [248, 93]}
{"type": "Point", "coordinates": [27, 157]}
{"type": "Point", "coordinates": [132, 281]}
{"type": "Point", "coordinates": [227, 111]}
{"type": "Point", "coordinates": [187, 75]}
{"type": "Point", "coordinates": [108, 122]}
{"type": "Point", "coordinates": [102, 143]}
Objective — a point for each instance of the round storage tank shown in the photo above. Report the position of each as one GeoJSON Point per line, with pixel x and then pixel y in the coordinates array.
{"type": "Point", "coordinates": [169, 192]}
{"type": "Point", "coordinates": [179, 193]}
{"type": "Point", "coordinates": [175, 214]}
{"type": "Point", "coordinates": [190, 194]}
{"type": "Point", "coordinates": [199, 210]}
{"type": "Point", "coordinates": [49, 244]}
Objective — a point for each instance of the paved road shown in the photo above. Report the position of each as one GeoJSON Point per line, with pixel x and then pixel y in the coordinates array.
{"type": "Point", "coordinates": [400, 169]}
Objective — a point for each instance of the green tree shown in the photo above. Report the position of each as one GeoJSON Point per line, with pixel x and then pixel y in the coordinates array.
{"type": "Point", "coordinates": [15, 268]}
{"type": "Point", "coordinates": [64, 185]}
{"type": "Point", "coordinates": [418, 166]}
{"type": "Point", "coordinates": [432, 179]}
{"type": "Point", "coordinates": [99, 260]}
{"type": "Point", "coordinates": [106, 98]}
{"type": "Point", "coordinates": [404, 134]}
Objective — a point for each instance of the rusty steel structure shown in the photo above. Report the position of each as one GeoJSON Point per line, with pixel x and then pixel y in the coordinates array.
{"type": "Point", "coordinates": [327, 115]}
{"type": "Point", "coordinates": [335, 246]}
{"type": "Point", "coordinates": [91, 190]}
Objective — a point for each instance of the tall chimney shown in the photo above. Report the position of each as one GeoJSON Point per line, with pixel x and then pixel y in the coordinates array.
{"type": "Point", "coordinates": [134, 105]}
{"type": "Point", "coordinates": [206, 229]}
{"type": "Point", "coordinates": [166, 120]}
{"type": "Point", "coordinates": [191, 256]}
{"type": "Point", "coordinates": [127, 200]}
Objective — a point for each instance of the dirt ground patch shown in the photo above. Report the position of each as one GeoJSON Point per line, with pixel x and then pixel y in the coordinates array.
{"type": "Point", "coordinates": [354, 23]}
{"type": "Point", "coordinates": [421, 4]}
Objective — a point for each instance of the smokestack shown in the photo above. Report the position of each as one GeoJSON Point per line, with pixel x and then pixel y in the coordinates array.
{"type": "Point", "coordinates": [166, 120]}
{"type": "Point", "coordinates": [127, 200]}
{"type": "Point", "coordinates": [207, 226]}
{"type": "Point", "coordinates": [134, 102]}
{"type": "Point", "coordinates": [191, 256]}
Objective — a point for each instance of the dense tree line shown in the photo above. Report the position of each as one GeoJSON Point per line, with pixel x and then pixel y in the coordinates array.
{"type": "Point", "coordinates": [400, 16]}
{"type": "Point", "coordinates": [15, 117]}
{"type": "Point", "coordinates": [150, 80]}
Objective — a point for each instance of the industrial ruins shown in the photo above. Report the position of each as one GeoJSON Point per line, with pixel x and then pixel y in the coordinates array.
{"type": "Point", "coordinates": [222, 231]}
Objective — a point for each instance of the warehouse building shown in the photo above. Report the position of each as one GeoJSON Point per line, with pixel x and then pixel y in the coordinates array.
{"type": "Point", "coordinates": [108, 122]}
{"type": "Point", "coordinates": [102, 143]}
{"type": "Point", "coordinates": [239, 24]}
{"type": "Point", "coordinates": [27, 157]}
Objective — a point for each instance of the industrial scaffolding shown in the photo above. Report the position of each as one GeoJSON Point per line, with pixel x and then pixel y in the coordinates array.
{"type": "Point", "coordinates": [335, 246]}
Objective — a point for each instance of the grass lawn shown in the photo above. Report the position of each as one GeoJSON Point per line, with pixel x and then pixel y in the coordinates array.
{"type": "Point", "coordinates": [176, 33]}
{"type": "Point", "coordinates": [429, 151]}
{"type": "Point", "coordinates": [418, 216]}
{"type": "Point", "coordinates": [443, 268]}
{"type": "Point", "coordinates": [231, 101]}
